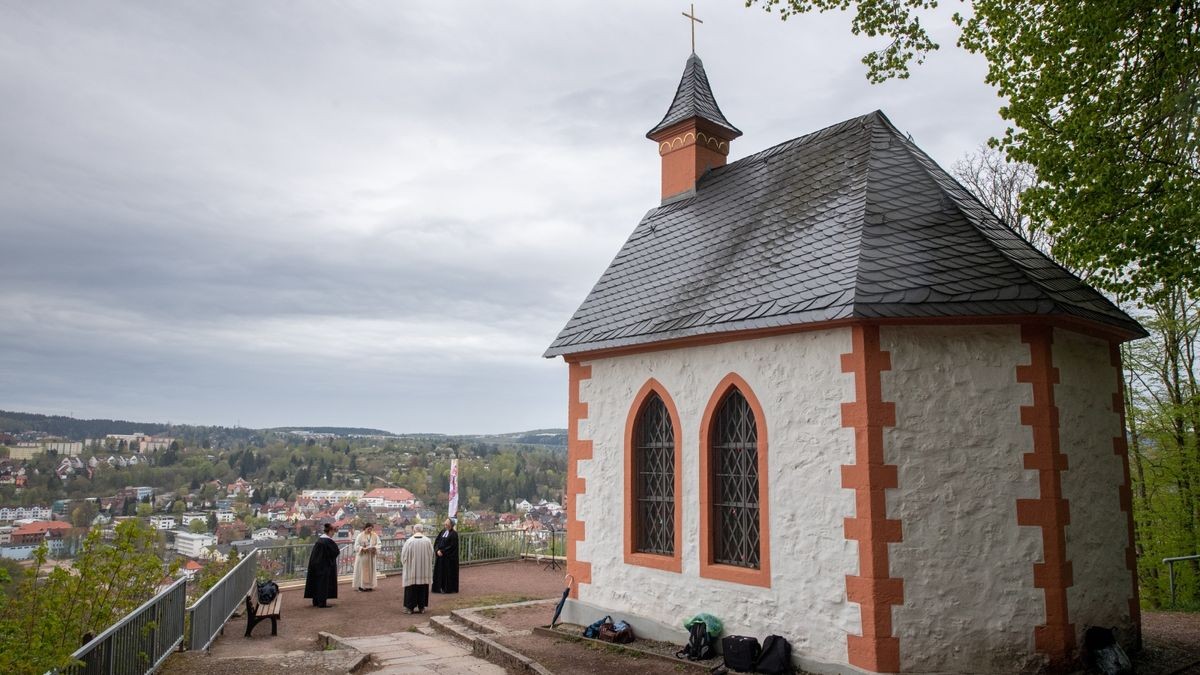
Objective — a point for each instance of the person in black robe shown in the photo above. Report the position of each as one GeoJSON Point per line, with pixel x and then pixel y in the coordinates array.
{"type": "Point", "coordinates": [320, 583]}
{"type": "Point", "coordinates": [445, 566]}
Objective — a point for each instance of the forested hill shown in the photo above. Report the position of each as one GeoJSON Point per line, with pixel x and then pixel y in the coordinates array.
{"type": "Point", "coordinates": [336, 431]}
{"type": "Point", "coordinates": [77, 429]}
{"type": "Point", "coordinates": [71, 428]}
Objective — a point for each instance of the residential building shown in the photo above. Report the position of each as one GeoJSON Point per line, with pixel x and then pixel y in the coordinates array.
{"type": "Point", "coordinates": [187, 518]}
{"type": "Point", "coordinates": [162, 522]}
{"type": "Point", "coordinates": [332, 495]}
{"type": "Point", "coordinates": [11, 513]}
{"type": "Point", "coordinates": [193, 545]}
{"type": "Point", "coordinates": [389, 498]}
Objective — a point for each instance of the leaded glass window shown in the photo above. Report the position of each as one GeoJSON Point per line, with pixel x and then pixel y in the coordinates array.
{"type": "Point", "coordinates": [654, 457]}
{"type": "Point", "coordinates": [734, 460]}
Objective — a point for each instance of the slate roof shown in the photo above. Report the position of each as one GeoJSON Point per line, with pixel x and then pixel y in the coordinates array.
{"type": "Point", "coordinates": [694, 98]}
{"type": "Point", "coordinates": [853, 221]}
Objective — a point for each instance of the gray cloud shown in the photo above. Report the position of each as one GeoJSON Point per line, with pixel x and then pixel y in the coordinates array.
{"type": "Point", "coordinates": [361, 213]}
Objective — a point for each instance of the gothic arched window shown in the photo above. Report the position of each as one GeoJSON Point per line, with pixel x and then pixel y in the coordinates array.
{"type": "Point", "coordinates": [654, 479]}
{"type": "Point", "coordinates": [735, 538]}
{"type": "Point", "coordinates": [734, 463]}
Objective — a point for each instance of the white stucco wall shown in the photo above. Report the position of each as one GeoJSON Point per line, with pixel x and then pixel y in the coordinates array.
{"type": "Point", "coordinates": [798, 380]}
{"type": "Point", "coordinates": [1097, 536]}
{"type": "Point", "coordinates": [969, 600]}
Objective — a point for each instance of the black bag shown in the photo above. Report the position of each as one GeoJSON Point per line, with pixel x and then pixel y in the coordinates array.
{"type": "Point", "coordinates": [266, 591]}
{"type": "Point", "coordinates": [1102, 653]}
{"type": "Point", "coordinates": [776, 656]}
{"type": "Point", "coordinates": [740, 652]}
{"type": "Point", "coordinates": [699, 646]}
{"type": "Point", "coordinates": [593, 631]}
{"type": "Point", "coordinates": [619, 633]}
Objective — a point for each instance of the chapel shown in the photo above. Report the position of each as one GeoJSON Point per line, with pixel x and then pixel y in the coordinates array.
{"type": "Point", "coordinates": [822, 392]}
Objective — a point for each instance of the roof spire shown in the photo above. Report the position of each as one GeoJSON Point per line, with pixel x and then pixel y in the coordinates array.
{"type": "Point", "coordinates": [694, 135]}
{"type": "Point", "coordinates": [694, 98]}
{"type": "Point", "coordinates": [694, 21]}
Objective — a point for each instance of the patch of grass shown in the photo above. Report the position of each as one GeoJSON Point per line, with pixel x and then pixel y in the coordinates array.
{"type": "Point", "coordinates": [500, 599]}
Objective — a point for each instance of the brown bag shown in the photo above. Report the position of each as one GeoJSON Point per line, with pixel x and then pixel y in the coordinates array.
{"type": "Point", "coordinates": [619, 633]}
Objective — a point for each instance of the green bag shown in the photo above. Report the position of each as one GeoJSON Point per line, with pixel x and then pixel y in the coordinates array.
{"type": "Point", "coordinates": [711, 622]}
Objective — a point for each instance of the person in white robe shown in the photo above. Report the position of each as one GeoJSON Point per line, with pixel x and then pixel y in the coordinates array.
{"type": "Point", "coordinates": [416, 558]}
{"type": "Point", "coordinates": [366, 547]}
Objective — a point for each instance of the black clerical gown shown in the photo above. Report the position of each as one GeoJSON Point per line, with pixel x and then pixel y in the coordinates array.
{"type": "Point", "coordinates": [445, 565]}
{"type": "Point", "coordinates": [321, 582]}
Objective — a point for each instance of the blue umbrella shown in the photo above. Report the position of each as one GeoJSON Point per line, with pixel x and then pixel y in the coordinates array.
{"type": "Point", "coordinates": [558, 608]}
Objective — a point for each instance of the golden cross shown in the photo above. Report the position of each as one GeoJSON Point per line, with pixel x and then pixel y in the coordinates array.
{"type": "Point", "coordinates": [694, 21]}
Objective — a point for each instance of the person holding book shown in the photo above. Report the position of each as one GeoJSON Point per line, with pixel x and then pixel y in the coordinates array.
{"type": "Point", "coordinates": [366, 547]}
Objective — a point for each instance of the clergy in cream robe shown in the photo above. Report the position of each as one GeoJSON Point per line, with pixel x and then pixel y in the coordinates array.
{"type": "Point", "coordinates": [366, 547]}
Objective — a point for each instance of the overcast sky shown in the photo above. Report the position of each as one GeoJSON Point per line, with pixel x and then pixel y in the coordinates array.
{"type": "Point", "coordinates": [367, 213]}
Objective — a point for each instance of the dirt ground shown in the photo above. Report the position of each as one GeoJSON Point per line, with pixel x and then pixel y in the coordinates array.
{"type": "Point", "coordinates": [355, 614]}
{"type": "Point", "coordinates": [1171, 647]}
{"type": "Point", "coordinates": [521, 618]}
{"type": "Point", "coordinates": [1171, 644]}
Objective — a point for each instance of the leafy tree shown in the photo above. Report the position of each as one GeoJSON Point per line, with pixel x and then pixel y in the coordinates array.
{"type": "Point", "coordinates": [84, 514]}
{"type": "Point", "coordinates": [1163, 400]}
{"type": "Point", "coordinates": [999, 184]}
{"type": "Point", "coordinates": [1105, 105]}
{"type": "Point", "coordinates": [46, 620]}
{"type": "Point", "coordinates": [144, 510]}
{"type": "Point", "coordinates": [198, 526]}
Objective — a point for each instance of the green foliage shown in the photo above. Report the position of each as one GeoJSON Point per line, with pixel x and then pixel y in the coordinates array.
{"type": "Point", "coordinates": [1105, 105]}
{"type": "Point", "coordinates": [199, 526]}
{"type": "Point", "coordinates": [1106, 102]}
{"type": "Point", "coordinates": [898, 20]}
{"type": "Point", "coordinates": [1163, 399]}
{"type": "Point", "coordinates": [53, 609]}
{"type": "Point", "coordinates": [211, 574]}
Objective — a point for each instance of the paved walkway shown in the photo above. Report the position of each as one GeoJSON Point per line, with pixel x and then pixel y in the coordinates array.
{"type": "Point", "coordinates": [409, 652]}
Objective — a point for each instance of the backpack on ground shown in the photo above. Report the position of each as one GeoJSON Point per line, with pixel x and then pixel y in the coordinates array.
{"type": "Point", "coordinates": [266, 592]}
{"type": "Point", "coordinates": [1103, 654]}
{"type": "Point", "coordinates": [699, 646]}
{"type": "Point", "coordinates": [776, 656]}
{"type": "Point", "coordinates": [740, 652]}
{"type": "Point", "coordinates": [593, 631]}
{"type": "Point", "coordinates": [619, 633]}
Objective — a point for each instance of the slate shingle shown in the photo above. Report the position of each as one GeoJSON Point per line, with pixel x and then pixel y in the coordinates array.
{"type": "Point", "coordinates": [851, 221]}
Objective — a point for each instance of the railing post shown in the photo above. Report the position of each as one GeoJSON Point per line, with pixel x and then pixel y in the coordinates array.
{"type": "Point", "coordinates": [1171, 576]}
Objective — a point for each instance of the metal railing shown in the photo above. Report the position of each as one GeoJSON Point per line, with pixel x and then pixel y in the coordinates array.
{"type": "Point", "coordinates": [1170, 563]}
{"type": "Point", "coordinates": [290, 560]}
{"type": "Point", "coordinates": [207, 616]}
{"type": "Point", "coordinates": [142, 640]}
{"type": "Point", "coordinates": [491, 546]}
{"type": "Point", "coordinates": [138, 643]}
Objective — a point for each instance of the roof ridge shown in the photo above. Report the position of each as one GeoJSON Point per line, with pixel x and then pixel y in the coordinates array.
{"type": "Point", "coordinates": [784, 146]}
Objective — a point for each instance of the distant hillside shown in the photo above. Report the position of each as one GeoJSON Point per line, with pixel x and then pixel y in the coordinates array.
{"type": "Point", "coordinates": [69, 427]}
{"type": "Point", "coordinates": [77, 429]}
{"type": "Point", "coordinates": [336, 431]}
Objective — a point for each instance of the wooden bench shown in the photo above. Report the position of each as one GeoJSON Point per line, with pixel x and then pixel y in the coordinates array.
{"type": "Point", "coordinates": [256, 612]}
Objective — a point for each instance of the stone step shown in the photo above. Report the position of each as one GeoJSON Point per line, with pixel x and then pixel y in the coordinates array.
{"type": "Point", "coordinates": [482, 645]}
